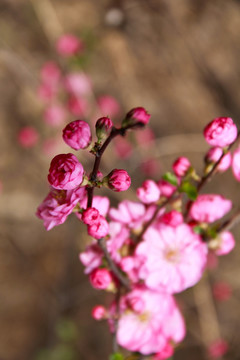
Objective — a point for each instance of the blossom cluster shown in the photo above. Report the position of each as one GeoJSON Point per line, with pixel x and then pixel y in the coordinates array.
{"type": "Point", "coordinates": [147, 250]}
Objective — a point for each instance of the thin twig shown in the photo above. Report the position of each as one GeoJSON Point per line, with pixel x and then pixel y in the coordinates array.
{"type": "Point", "coordinates": [227, 225]}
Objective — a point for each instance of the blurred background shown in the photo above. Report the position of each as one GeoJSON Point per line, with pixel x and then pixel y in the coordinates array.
{"type": "Point", "coordinates": [177, 58]}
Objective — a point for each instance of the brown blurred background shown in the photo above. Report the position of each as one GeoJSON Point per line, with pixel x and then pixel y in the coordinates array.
{"type": "Point", "coordinates": [177, 58]}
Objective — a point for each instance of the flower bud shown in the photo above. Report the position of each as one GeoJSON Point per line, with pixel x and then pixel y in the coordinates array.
{"type": "Point", "coordinates": [103, 128]}
{"type": "Point", "coordinates": [181, 166]}
{"type": "Point", "coordinates": [118, 180]}
{"type": "Point", "coordinates": [99, 312]}
{"type": "Point", "coordinates": [100, 278]}
{"type": "Point", "coordinates": [99, 229]}
{"type": "Point", "coordinates": [172, 218]}
{"type": "Point", "coordinates": [90, 216]}
{"type": "Point", "coordinates": [68, 45]}
{"type": "Point", "coordinates": [220, 132]}
{"type": "Point", "coordinates": [166, 188]}
{"type": "Point", "coordinates": [77, 134]}
{"type": "Point", "coordinates": [149, 192]}
{"type": "Point", "coordinates": [214, 155]}
{"type": "Point", "coordinates": [136, 115]}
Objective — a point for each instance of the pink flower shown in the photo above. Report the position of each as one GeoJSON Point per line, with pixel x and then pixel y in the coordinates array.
{"type": "Point", "coordinates": [54, 115]}
{"type": "Point", "coordinates": [145, 137]}
{"type": "Point", "coordinates": [220, 132]}
{"type": "Point", "coordinates": [77, 106]}
{"type": "Point", "coordinates": [46, 92]}
{"type": "Point", "coordinates": [78, 84]}
{"type": "Point", "coordinates": [209, 208]}
{"type": "Point", "coordinates": [166, 188]}
{"type": "Point", "coordinates": [217, 349]}
{"type": "Point", "coordinates": [138, 114]}
{"type": "Point", "coordinates": [172, 259]}
{"type": "Point", "coordinates": [91, 258]}
{"type": "Point", "coordinates": [101, 203]}
{"type": "Point", "coordinates": [108, 105]}
{"type": "Point", "coordinates": [154, 323]}
{"type": "Point", "coordinates": [100, 278]}
{"type": "Point", "coordinates": [222, 291]}
{"type": "Point", "coordinates": [68, 45]}
{"type": "Point", "coordinates": [181, 166]}
{"type": "Point", "coordinates": [226, 243]}
{"type": "Point", "coordinates": [149, 192]}
{"type": "Point", "coordinates": [65, 172]}
{"type": "Point", "coordinates": [165, 353]}
{"type": "Point", "coordinates": [50, 73]}
{"type": "Point", "coordinates": [119, 234]}
{"type": "Point", "coordinates": [28, 137]}
{"type": "Point", "coordinates": [123, 147]}
{"type": "Point", "coordinates": [214, 155]}
{"type": "Point", "coordinates": [103, 127]}
{"type": "Point", "coordinates": [58, 205]}
{"type": "Point", "coordinates": [77, 134]}
{"type": "Point", "coordinates": [150, 167]}
{"type": "Point", "coordinates": [118, 180]}
{"type": "Point", "coordinates": [99, 312]}
{"type": "Point", "coordinates": [236, 163]}
{"type": "Point", "coordinates": [99, 229]}
{"type": "Point", "coordinates": [172, 218]}
{"type": "Point", "coordinates": [90, 216]}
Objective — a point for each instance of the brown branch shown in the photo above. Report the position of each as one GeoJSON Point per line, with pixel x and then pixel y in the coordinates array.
{"type": "Point", "coordinates": [227, 225]}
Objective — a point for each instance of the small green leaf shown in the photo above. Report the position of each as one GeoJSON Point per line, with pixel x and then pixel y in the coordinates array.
{"type": "Point", "coordinates": [198, 230]}
{"type": "Point", "coordinates": [116, 356]}
{"type": "Point", "coordinates": [189, 189]}
{"type": "Point", "coordinates": [171, 178]}
{"type": "Point", "coordinates": [212, 233]}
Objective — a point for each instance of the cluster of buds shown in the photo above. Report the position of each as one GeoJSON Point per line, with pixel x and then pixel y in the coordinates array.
{"type": "Point", "coordinates": [144, 251]}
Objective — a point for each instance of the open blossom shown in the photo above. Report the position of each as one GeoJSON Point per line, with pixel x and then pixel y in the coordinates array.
{"type": "Point", "coordinates": [220, 132]}
{"type": "Point", "coordinates": [101, 203]}
{"type": "Point", "coordinates": [149, 192]}
{"type": "Point", "coordinates": [65, 172]}
{"type": "Point", "coordinates": [173, 259]}
{"type": "Point", "coordinates": [100, 278]}
{"type": "Point", "coordinates": [138, 114]}
{"type": "Point", "coordinates": [214, 155]}
{"type": "Point", "coordinates": [209, 208]}
{"type": "Point", "coordinates": [155, 321]}
{"type": "Point", "coordinates": [119, 180]}
{"type": "Point", "coordinates": [236, 163]}
{"type": "Point", "coordinates": [91, 258]}
{"type": "Point", "coordinates": [99, 229]}
{"type": "Point", "coordinates": [181, 166]}
{"type": "Point", "coordinates": [68, 45]}
{"type": "Point", "coordinates": [77, 134]}
{"type": "Point", "coordinates": [58, 205]}
{"type": "Point", "coordinates": [226, 243]}
{"type": "Point", "coordinates": [119, 235]}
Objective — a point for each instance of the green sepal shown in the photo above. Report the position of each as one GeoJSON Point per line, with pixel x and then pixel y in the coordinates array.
{"type": "Point", "coordinates": [171, 178]}
{"type": "Point", "coordinates": [189, 189]}
{"type": "Point", "coordinates": [116, 356]}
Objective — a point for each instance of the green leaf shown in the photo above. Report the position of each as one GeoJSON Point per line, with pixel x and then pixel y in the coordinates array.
{"type": "Point", "coordinates": [171, 178]}
{"type": "Point", "coordinates": [116, 356]}
{"type": "Point", "coordinates": [189, 189]}
{"type": "Point", "coordinates": [212, 233]}
{"type": "Point", "coordinates": [198, 230]}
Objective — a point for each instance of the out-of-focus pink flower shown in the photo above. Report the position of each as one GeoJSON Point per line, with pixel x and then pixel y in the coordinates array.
{"type": "Point", "coordinates": [173, 259]}
{"type": "Point", "coordinates": [209, 208]}
{"type": "Point", "coordinates": [165, 353]}
{"type": "Point", "coordinates": [166, 188]}
{"type": "Point", "coordinates": [58, 205]}
{"type": "Point", "coordinates": [28, 137]}
{"type": "Point", "coordinates": [122, 147]}
{"type": "Point", "coordinates": [220, 132]}
{"type": "Point", "coordinates": [46, 92]}
{"type": "Point", "coordinates": [90, 216]}
{"type": "Point", "coordinates": [172, 218]}
{"type": "Point", "coordinates": [103, 127]}
{"type": "Point", "coordinates": [78, 84]}
{"type": "Point", "coordinates": [50, 73]}
{"type": "Point", "coordinates": [118, 236]}
{"type": "Point", "coordinates": [68, 45]}
{"type": "Point", "coordinates": [181, 166]}
{"type": "Point", "coordinates": [145, 136]}
{"type": "Point", "coordinates": [226, 243]}
{"type": "Point", "coordinates": [54, 115]}
{"type": "Point", "coordinates": [222, 291]}
{"type": "Point", "coordinates": [214, 155]}
{"type": "Point", "coordinates": [101, 203]}
{"type": "Point", "coordinates": [100, 278]}
{"type": "Point", "coordinates": [149, 330]}
{"type": "Point", "coordinates": [236, 163]}
{"type": "Point", "coordinates": [118, 180]}
{"type": "Point", "coordinates": [49, 146]}
{"type": "Point", "coordinates": [99, 312]}
{"type": "Point", "coordinates": [212, 261]}
{"type": "Point", "coordinates": [91, 258]}
{"type": "Point", "coordinates": [150, 167]}
{"type": "Point", "coordinates": [138, 114]}
{"type": "Point", "coordinates": [65, 172]}
{"type": "Point", "coordinates": [77, 106]}
{"type": "Point", "coordinates": [218, 349]}
{"type": "Point", "coordinates": [99, 229]}
{"type": "Point", "coordinates": [149, 192]}
{"type": "Point", "coordinates": [77, 134]}
{"type": "Point", "coordinates": [108, 105]}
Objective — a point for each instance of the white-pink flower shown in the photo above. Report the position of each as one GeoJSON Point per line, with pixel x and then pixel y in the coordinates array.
{"type": "Point", "coordinates": [149, 192]}
{"type": "Point", "coordinates": [91, 258]}
{"type": "Point", "coordinates": [78, 84]}
{"type": "Point", "coordinates": [214, 155]}
{"type": "Point", "coordinates": [226, 243]}
{"type": "Point", "coordinates": [148, 321]}
{"type": "Point", "coordinates": [236, 163]}
{"type": "Point", "coordinates": [209, 208]}
{"type": "Point", "coordinates": [172, 259]}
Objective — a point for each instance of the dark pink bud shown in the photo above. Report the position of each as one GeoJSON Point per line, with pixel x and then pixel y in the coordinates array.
{"type": "Point", "coordinates": [172, 218]}
{"type": "Point", "coordinates": [68, 45]}
{"type": "Point", "coordinates": [77, 134]}
{"type": "Point", "coordinates": [100, 278]}
{"type": "Point", "coordinates": [118, 180]}
{"type": "Point", "coordinates": [65, 172]}
{"type": "Point", "coordinates": [99, 312]}
{"type": "Point", "coordinates": [99, 229]}
{"type": "Point", "coordinates": [137, 115]}
{"type": "Point", "coordinates": [181, 166]}
{"type": "Point", "coordinates": [220, 132]}
{"type": "Point", "coordinates": [103, 127]}
{"type": "Point", "coordinates": [90, 216]}
{"type": "Point", "coordinates": [28, 137]}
